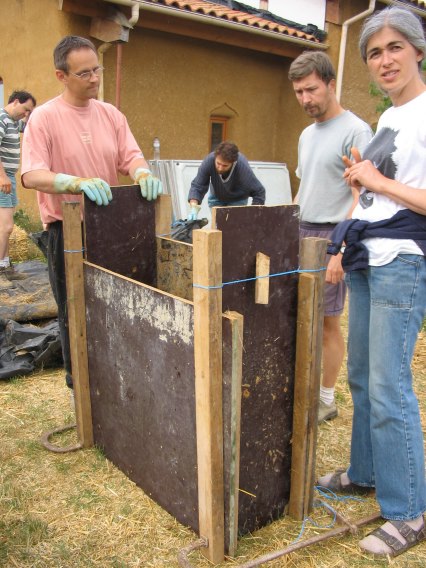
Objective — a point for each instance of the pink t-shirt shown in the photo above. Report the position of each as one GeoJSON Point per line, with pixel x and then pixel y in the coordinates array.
{"type": "Point", "coordinates": [92, 141]}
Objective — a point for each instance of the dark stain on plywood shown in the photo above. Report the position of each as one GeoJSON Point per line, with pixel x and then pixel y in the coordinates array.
{"type": "Point", "coordinates": [269, 352]}
{"type": "Point", "coordinates": [141, 366]}
{"type": "Point", "coordinates": [121, 235]}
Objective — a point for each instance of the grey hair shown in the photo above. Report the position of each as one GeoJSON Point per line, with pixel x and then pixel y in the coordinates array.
{"type": "Point", "coordinates": [65, 46]}
{"type": "Point", "coordinates": [399, 19]}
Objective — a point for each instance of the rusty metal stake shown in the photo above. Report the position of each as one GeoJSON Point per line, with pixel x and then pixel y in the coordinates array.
{"type": "Point", "coordinates": [349, 527]}
{"type": "Point", "coordinates": [49, 446]}
{"type": "Point", "coordinates": [183, 553]}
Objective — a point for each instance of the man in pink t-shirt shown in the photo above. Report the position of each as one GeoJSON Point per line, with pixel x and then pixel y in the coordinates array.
{"type": "Point", "coordinates": [75, 144]}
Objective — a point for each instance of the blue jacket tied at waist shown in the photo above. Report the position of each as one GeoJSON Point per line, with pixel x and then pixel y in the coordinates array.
{"type": "Point", "coordinates": [405, 224]}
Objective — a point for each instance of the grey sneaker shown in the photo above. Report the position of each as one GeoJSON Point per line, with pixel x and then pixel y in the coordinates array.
{"type": "Point", "coordinates": [326, 411]}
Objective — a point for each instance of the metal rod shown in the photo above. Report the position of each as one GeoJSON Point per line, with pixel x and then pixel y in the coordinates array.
{"type": "Point", "coordinates": [310, 541]}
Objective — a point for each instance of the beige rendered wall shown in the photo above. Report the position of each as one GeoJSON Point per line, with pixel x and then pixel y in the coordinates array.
{"type": "Point", "coordinates": [172, 84]}
{"type": "Point", "coordinates": [26, 57]}
{"type": "Point", "coordinates": [355, 86]}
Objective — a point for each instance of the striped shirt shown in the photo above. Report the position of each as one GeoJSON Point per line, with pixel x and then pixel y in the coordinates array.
{"type": "Point", "coordinates": [10, 142]}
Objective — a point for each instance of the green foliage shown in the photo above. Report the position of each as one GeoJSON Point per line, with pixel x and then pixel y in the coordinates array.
{"type": "Point", "coordinates": [384, 101]}
{"type": "Point", "coordinates": [23, 221]}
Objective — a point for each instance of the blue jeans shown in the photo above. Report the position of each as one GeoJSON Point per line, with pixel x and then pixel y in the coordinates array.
{"type": "Point", "coordinates": [9, 200]}
{"type": "Point", "coordinates": [387, 305]}
{"type": "Point", "coordinates": [213, 201]}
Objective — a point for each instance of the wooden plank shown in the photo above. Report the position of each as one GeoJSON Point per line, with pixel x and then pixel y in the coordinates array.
{"type": "Point", "coordinates": [76, 320]}
{"type": "Point", "coordinates": [312, 257]}
{"type": "Point", "coordinates": [305, 357]}
{"type": "Point", "coordinates": [121, 236]}
{"type": "Point", "coordinates": [208, 389]}
{"type": "Point", "coordinates": [268, 355]}
{"type": "Point", "coordinates": [174, 267]}
{"type": "Point", "coordinates": [163, 215]}
{"type": "Point", "coordinates": [263, 263]}
{"type": "Point", "coordinates": [232, 377]}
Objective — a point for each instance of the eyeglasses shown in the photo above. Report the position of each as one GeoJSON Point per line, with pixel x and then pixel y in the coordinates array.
{"type": "Point", "coordinates": [86, 75]}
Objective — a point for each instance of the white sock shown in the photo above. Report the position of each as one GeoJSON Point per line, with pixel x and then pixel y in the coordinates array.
{"type": "Point", "coordinates": [7, 260]}
{"type": "Point", "coordinates": [375, 545]}
{"type": "Point", "coordinates": [4, 263]}
{"type": "Point", "coordinates": [327, 395]}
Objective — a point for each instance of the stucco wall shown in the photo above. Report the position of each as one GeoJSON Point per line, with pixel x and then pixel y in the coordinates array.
{"type": "Point", "coordinates": [172, 84]}
{"type": "Point", "coordinates": [26, 57]}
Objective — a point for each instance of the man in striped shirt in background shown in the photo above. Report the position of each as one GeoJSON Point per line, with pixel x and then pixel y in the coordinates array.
{"type": "Point", "coordinates": [12, 122]}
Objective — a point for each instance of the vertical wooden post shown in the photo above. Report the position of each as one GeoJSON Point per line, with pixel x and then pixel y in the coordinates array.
{"type": "Point", "coordinates": [77, 321]}
{"type": "Point", "coordinates": [163, 215]}
{"type": "Point", "coordinates": [263, 264]}
{"type": "Point", "coordinates": [237, 323]}
{"type": "Point", "coordinates": [208, 388]}
{"type": "Point", "coordinates": [308, 375]}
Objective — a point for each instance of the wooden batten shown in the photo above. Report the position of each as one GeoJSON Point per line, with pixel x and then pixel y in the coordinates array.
{"type": "Point", "coordinates": [307, 375]}
{"type": "Point", "coordinates": [77, 321]}
{"type": "Point", "coordinates": [263, 263]}
{"type": "Point", "coordinates": [232, 475]}
{"type": "Point", "coordinates": [208, 388]}
{"type": "Point", "coordinates": [163, 215]}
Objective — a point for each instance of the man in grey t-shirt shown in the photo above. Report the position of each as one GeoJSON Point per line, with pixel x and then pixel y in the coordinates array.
{"type": "Point", "coordinates": [323, 196]}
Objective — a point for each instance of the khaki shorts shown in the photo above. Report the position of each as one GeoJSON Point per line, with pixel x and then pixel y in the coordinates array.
{"type": "Point", "coordinates": [334, 294]}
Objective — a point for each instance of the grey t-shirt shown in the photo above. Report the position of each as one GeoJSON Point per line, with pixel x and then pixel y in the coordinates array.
{"type": "Point", "coordinates": [324, 196]}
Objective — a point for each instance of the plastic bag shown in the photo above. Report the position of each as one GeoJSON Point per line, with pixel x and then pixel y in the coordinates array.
{"type": "Point", "coordinates": [182, 229]}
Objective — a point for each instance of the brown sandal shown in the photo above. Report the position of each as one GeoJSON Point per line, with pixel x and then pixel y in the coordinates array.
{"type": "Point", "coordinates": [335, 485]}
{"type": "Point", "coordinates": [411, 536]}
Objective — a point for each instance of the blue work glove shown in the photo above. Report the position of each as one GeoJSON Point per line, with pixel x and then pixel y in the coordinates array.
{"type": "Point", "coordinates": [96, 189]}
{"type": "Point", "coordinates": [151, 187]}
{"type": "Point", "coordinates": [193, 212]}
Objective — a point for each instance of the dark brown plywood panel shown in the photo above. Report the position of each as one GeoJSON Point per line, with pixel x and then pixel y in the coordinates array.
{"type": "Point", "coordinates": [268, 355]}
{"type": "Point", "coordinates": [141, 365]}
{"type": "Point", "coordinates": [121, 236]}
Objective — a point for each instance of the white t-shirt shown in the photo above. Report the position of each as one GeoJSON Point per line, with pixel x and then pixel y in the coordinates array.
{"type": "Point", "coordinates": [398, 151]}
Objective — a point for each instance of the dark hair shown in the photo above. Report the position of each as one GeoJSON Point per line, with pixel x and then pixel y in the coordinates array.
{"type": "Point", "coordinates": [312, 62]}
{"type": "Point", "coordinates": [227, 150]}
{"type": "Point", "coordinates": [399, 19]}
{"type": "Point", "coordinates": [22, 97]}
{"type": "Point", "coordinates": [67, 44]}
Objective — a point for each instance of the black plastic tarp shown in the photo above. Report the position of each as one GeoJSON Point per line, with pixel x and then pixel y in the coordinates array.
{"type": "Point", "coordinates": [24, 348]}
{"type": "Point", "coordinates": [29, 298]}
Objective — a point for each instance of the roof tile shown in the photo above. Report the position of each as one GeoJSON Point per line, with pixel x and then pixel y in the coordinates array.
{"type": "Point", "coordinates": [223, 12]}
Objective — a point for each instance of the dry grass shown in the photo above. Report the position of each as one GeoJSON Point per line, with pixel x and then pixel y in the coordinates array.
{"type": "Point", "coordinates": [77, 510]}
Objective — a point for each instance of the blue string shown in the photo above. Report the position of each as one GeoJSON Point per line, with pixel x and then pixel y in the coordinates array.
{"type": "Point", "coordinates": [330, 495]}
{"type": "Point", "coordinates": [80, 250]}
{"type": "Point", "coordinates": [298, 270]}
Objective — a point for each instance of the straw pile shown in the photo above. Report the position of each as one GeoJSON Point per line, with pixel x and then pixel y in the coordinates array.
{"type": "Point", "coordinates": [21, 246]}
